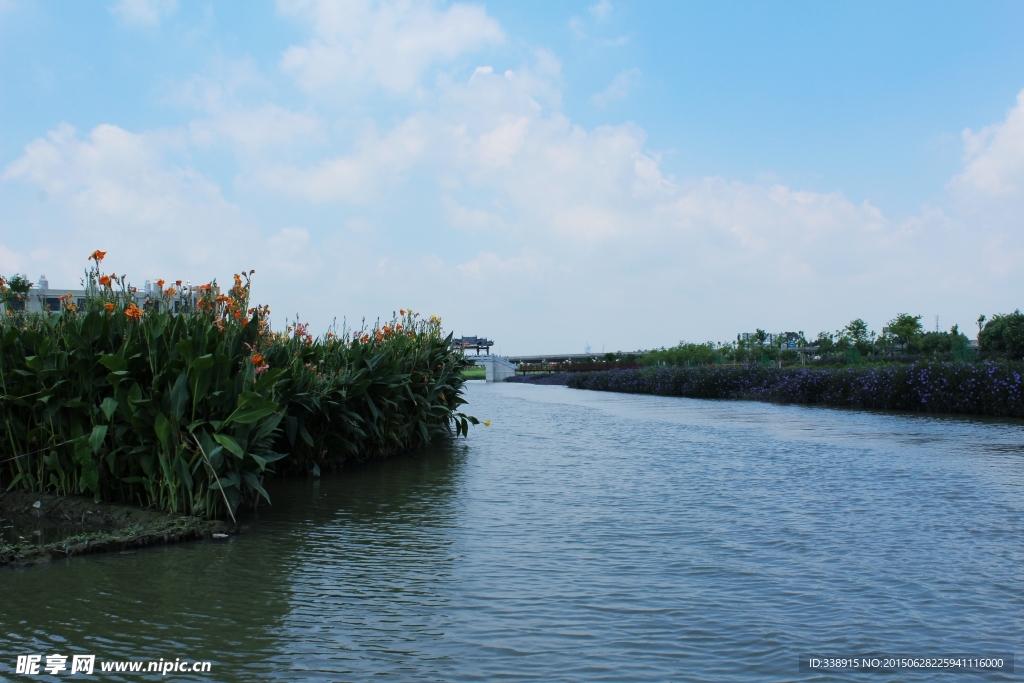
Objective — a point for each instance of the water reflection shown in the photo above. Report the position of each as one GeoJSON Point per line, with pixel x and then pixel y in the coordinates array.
{"type": "Point", "coordinates": [244, 603]}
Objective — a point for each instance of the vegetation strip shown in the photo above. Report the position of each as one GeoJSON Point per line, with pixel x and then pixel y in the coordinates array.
{"type": "Point", "coordinates": [988, 388]}
{"type": "Point", "coordinates": [182, 399]}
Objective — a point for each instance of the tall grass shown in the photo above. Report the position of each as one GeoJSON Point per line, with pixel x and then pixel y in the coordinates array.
{"type": "Point", "coordinates": [189, 412]}
{"type": "Point", "coordinates": [989, 388]}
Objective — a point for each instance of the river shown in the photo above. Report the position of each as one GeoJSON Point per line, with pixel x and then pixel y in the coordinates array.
{"type": "Point", "coordinates": [583, 536]}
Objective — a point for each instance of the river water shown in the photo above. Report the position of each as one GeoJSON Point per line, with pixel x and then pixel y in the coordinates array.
{"type": "Point", "coordinates": [583, 536]}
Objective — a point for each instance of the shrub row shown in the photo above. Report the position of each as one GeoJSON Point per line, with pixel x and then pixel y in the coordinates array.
{"type": "Point", "coordinates": [989, 388]}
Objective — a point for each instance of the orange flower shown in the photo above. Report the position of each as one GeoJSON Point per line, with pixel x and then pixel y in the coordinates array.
{"type": "Point", "coordinates": [97, 256]}
{"type": "Point", "coordinates": [178, 282]}
{"type": "Point", "coordinates": [401, 311]}
{"type": "Point", "coordinates": [105, 280]}
{"type": "Point", "coordinates": [131, 312]}
{"type": "Point", "coordinates": [203, 288]}
{"type": "Point", "coordinates": [109, 307]}
{"type": "Point", "coordinates": [257, 359]}
{"type": "Point", "coordinates": [160, 284]}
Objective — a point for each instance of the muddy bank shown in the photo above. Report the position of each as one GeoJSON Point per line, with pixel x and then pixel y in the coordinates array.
{"type": "Point", "coordinates": [40, 527]}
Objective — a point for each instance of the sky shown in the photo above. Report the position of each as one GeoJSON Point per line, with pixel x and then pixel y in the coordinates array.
{"type": "Point", "coordinates": [553, 176]}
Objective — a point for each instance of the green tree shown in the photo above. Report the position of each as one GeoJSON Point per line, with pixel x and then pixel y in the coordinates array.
{"type": "Point", "coordinates": [1004, 334]}
{"type": "Point", "coordinates": [906, 328]}
{"type": "Point", "coordinates": [825, 343]}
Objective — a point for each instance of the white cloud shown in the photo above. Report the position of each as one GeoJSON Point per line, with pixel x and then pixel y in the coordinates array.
{"type": "Point", "coordinates": [994, 156]}
{"type": "Point", "coordinates": [618, 89]}
{"type": "Point", "coordinates": [255, 127]}
{"type": "Point", "coordinates": [356, 178]}
{"type": "Point", "coordinates": [469, 220]}
{"type": "Point", "coordinates": [499, 146]}
{"type": "Point", "coordinates": [144, 12]}
{"type": "Point", "coordinates": [600, 10]}
{"type": "Point", "coordinates": [388, 44]}
{"type": "Point", "coordinates": [121, 193]}
{"type": "Point", "coordinates": [488, 265]}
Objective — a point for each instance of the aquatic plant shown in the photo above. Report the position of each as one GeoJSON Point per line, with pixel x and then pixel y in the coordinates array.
{"type": "Point", "coordinates": [188, 402]}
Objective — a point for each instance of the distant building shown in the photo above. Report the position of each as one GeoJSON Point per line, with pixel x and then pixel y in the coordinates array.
{"type": "Point", "coordinates": [478, 343]}
{"type": "Point", "coordinates": [785, 340]}
{"type": "Point", "coordinates": [44, 298]}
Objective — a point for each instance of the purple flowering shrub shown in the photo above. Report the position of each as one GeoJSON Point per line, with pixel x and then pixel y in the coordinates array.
{"type": "Point", "coordinates": [989, 388]}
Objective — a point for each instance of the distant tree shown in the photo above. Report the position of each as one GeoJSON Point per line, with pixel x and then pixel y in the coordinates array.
{"type": "Point", "coordinates": [858, 330]}
{"type": "Point", "coordinates": [906, 328]}
{"type": "Point", "coordinates": [1005, 334]}
{"type": "Point", "coordinates": [14, 289]}
{"type": "Point", "coordinates": [824, 343]}
{"type": "Point", "coordinates": [857, 334]}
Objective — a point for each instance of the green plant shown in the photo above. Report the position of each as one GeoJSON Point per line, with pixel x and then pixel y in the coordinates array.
{"type": "Point", "coordinates": [190, 411]}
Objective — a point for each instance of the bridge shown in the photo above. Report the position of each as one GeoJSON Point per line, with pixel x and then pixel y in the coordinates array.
{"type": "Point", "coordinates": [496, 368]}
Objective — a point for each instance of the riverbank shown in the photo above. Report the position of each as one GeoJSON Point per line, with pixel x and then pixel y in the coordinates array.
{"type": "Point", "coordinates": [42, 527]}
{"type": "Point", "coordinates": [990, 388]}
{"type": "Point", "coordinates": [554, 378]}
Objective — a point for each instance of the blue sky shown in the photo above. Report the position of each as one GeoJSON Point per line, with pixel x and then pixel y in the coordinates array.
{"type": "Point", "coordinates": [624, 175]}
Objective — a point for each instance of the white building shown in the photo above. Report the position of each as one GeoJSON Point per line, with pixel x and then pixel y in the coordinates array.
{"type": "Point", "coordinates": [44, 298]}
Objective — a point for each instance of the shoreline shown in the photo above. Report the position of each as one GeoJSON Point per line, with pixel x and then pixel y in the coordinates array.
{"type": "Point", "coordinates": [105, 527]}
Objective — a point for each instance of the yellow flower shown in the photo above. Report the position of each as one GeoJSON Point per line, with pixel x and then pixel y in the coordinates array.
{"type": "Point", "coordinates": [487, 423]}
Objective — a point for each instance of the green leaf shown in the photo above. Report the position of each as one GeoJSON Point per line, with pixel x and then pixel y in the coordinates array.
{"type": "Point", "coordinates": [230, 444]}
{"type": "Point", "coordinates": [99, 433]}
{"type": "Point", "coordinates": [108, 407]}
{"type": "Point", "coordinates": [268, 427]}
{"type": "Point", "coordinates": [179, 397]}
{"type": "Point", "coordinates": [251, 407]}
{"type": "Point", "coordinates": [268, 379]}
{"type": "Point", "coordinates": [89, 479]}
{"type": "Point", "coordinates": [148, 462]}
{"type": "Point", "coordinates": [114, 363]}
{"type": "Point", "coordinates": [203, 362]}
{"type": "Point", "coordinates": [254, 482]}
{"type": "Point", "coordinates": [304, 433]}
{"type": "Point", "coordinates": [162, 427]}
{"type": "Point", "coordinates": [12, 334]}
{"type": "Point", "coordinates": [185, 349]}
